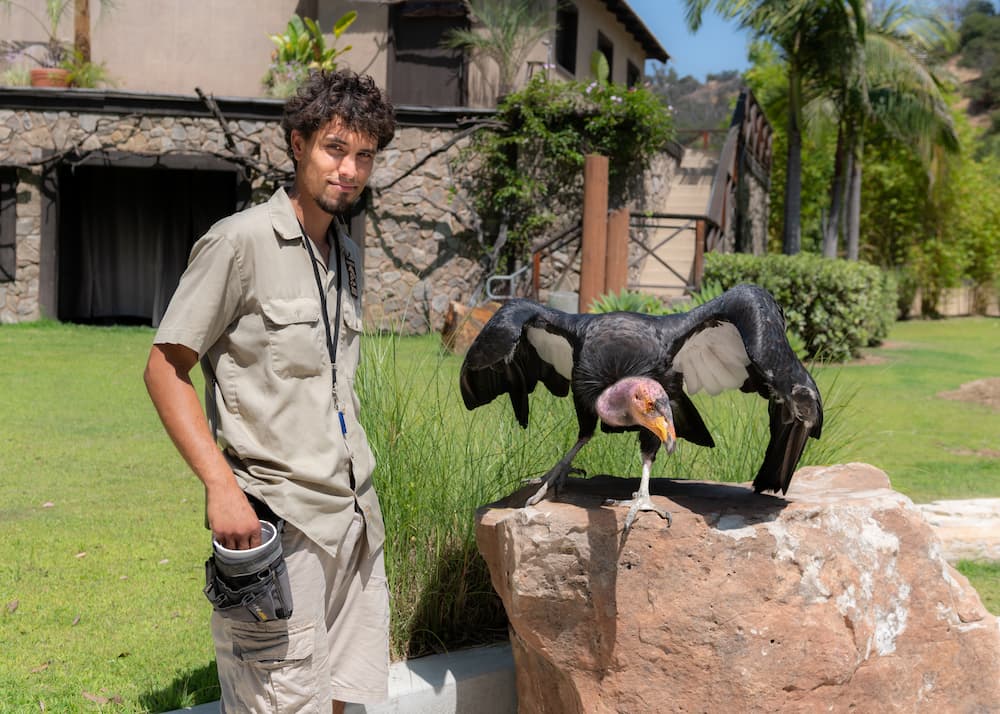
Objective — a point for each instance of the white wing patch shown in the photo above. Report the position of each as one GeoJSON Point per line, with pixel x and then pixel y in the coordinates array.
{"type": "Point", "coordinates": [553, 349]}
{"type": "Point", "coordinates": [714, 360]}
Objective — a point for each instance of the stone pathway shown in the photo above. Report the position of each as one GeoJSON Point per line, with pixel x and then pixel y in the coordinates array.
{"type": "Point", "coordinates": [969, 529]}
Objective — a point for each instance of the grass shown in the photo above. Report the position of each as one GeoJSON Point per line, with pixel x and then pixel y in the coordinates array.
{"type": "Point", "coordinates": [101, 559]}
{"type": "Point", "coordinates": [101, 563]}
{"type": "Point", "coordinates": [932, 448]}
{"type": "Point", "coordinates": [985, 576]}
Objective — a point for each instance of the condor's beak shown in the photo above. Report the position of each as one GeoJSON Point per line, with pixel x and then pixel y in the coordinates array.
{"type": "Point", "coordinates": [663, 424]}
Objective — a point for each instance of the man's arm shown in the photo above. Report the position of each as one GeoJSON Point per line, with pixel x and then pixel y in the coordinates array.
{"type": "Point", "coordinates": [230, 516]}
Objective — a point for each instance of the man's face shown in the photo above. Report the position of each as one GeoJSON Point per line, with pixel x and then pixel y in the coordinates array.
{"type": "Point", "coordinates": [333, 165]}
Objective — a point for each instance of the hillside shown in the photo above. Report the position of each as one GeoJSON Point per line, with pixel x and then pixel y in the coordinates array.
{"type": "Point", "coordinates": [698, 106]}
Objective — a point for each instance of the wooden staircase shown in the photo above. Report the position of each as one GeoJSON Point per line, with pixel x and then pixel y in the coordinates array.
{"type": "Point", "coordinates": [668, 271]}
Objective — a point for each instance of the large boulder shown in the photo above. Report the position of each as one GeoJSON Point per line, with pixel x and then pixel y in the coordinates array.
{"type": "Point", "coordinates": [834, 598]}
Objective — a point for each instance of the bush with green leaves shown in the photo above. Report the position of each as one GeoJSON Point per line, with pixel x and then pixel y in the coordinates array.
{"type": "Point", "coordinates": [835, 306]}
{"type": "Point", "coordinates": [525, 171]}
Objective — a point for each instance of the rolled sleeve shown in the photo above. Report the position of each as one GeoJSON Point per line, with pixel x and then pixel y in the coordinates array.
{"type": "Point", "coordinates": [208, 297]}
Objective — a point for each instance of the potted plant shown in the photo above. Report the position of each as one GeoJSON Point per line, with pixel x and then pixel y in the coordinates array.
{"type": "Point", "coordinates": [55, 53]}
{"type": "Point", "coordinates": [302, 48]}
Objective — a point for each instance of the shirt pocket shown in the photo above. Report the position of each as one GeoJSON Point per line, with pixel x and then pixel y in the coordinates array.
{"type": "Point", "coordinates": [295, 336]}
{"type": "Point", "coordinates": [353, 314]}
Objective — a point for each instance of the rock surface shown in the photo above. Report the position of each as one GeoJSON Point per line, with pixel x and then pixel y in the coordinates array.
{"type": "Point", "coordinates": [969, 529]}
{"type": "Point", "coordinates": [835, 598]}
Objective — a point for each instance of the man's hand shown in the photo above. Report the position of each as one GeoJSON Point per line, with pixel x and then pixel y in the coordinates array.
{"type": "Point", "coordinates": [232, 520]}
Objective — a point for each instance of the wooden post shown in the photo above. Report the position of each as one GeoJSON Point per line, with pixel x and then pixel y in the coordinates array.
{"type": "Point", "coordinates": [595, 229]}
{"type": "Point", "coordinates": [699, 252]}
{"type": "Point", "coordinates": [81, 28]}
{"type": "Point", "coordinates": [616, 260]}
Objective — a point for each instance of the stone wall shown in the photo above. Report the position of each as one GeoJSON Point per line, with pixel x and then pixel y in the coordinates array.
{"type": "Point", "coordinates": [421, 249]}
{"type": "Point", "coordinates": [422, 246]}
{"type": "Point", "coordinates": [37, 141]}
{"type": "Point", "coordinates": [421, 252]}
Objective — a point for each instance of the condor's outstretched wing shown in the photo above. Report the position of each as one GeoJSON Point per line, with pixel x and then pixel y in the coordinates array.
{"type": "Point", "coordinates": [523, 344]}
{"type": "Point", "coordinates": [737, 341]}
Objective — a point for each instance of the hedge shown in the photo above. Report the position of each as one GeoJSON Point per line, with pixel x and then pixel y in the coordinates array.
{"type": "Point", "coordinates": [835, 306]}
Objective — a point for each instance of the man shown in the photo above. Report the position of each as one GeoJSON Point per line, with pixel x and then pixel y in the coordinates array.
{"type": "Point", "coordinates": [271, 305]}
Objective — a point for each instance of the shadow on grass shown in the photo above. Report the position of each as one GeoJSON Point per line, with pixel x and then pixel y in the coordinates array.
{"type": "Point", "coordinates": [191, 688]}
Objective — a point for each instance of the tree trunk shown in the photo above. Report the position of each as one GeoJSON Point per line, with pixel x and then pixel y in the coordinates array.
{"type": "Point", "coordinates": [81, 28]}
{"type": "Point", "coordinates": [831, 231]}
{"type": "Point", "coordinates": [853, 227]}
{"type": "Point", "coordinates": [791, 240]}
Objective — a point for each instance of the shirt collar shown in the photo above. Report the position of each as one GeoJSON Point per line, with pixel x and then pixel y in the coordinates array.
{"type": "Point", "coordinates": [283, 218]}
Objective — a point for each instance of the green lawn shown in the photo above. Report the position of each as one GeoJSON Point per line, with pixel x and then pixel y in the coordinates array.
{"type": "Point", "coordinates": [101, 560]}
{"type": "Point", "coordinates": [931, 448]}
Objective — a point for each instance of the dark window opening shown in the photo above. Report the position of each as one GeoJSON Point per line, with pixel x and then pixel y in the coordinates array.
{"type": "Point", "coordinates": [125, 235]}
{"type": "Point", "coordinates": [632, 75]}
{"type": "Point", "coordinates": [8, 225]}
{"type": "Point", "coordinates": [567, 21]}
{"type": "Point", "coordinates": [606, 48]}
{"type": "Point", "coordinates": [421, 71]}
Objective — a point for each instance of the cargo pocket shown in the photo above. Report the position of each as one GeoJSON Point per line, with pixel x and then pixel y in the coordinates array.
{"type": "Point", "coordinates": [295, 336]}
{"type": "Point", "coordinates": [275, 664]}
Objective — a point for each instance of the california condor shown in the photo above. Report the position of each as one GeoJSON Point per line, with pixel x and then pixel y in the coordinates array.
{"type": "Point", "coordinates": [634, 372]}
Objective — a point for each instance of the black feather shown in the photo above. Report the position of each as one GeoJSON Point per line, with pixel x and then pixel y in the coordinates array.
{"type": "Point", "coordinates": [610, 347]}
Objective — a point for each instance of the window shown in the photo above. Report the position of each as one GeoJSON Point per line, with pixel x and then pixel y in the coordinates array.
{"type": "Point", "coordinates": [421, 71]}
{"type": "Point", "coordinates": [632, 75]}
{"type": "Point", "coordinates": [607, 49]}
{"type": "Point", "coordinates": [8, 225]}
{"type": "Point", "coordinates": [567, 21]}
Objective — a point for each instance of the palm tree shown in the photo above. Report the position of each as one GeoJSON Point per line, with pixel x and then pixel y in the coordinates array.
{"type": "Point", "coordinates": [510, 30]}
{"type": "Point", "coordinates": [813, 36]}
{"type": "Point", "coordinates": [890, 84]}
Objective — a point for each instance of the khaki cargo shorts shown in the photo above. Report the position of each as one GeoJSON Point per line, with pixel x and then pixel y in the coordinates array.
{"type": "Point", "coordinates": [335, 646]}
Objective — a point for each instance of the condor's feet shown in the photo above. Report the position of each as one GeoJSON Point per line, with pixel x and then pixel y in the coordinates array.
{"type": "Point", "coordinates": [554, 479]}
{"type": "Point", "coordinates": [639, 502]}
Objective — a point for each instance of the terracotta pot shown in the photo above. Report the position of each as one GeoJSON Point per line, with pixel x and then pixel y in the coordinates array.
{"type": "Point", "coordinates": [49, 77]}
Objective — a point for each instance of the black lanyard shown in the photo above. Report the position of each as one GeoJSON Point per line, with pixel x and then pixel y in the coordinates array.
{"type": "Point", "coordinates": [332, 336]}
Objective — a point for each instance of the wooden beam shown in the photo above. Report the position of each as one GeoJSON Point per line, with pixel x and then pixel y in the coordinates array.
{"type": "Point", "coordinates": [700, 233]}
{"type": "Point", "coordinates": [595, 229]}
{"type": "Point", "coordinates": [616, 260]}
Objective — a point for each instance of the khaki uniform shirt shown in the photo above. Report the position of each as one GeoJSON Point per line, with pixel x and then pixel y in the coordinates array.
{"type": "Point", "coordinates": [249, 305]}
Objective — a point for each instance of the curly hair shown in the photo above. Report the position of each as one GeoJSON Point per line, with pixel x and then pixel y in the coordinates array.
{"type": "Point", "coordinates": [353, 99]}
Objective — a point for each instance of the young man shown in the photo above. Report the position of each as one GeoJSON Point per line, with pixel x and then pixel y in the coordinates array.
{"type": "Point", "coordinates": [271, 305]}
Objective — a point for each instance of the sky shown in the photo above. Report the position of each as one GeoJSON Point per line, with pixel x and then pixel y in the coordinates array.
{"type": "Point", "coordinates": [716, 47]}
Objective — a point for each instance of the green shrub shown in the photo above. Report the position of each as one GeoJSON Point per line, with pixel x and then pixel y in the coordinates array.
{"type": "Point", "coordinates": [835, 306]}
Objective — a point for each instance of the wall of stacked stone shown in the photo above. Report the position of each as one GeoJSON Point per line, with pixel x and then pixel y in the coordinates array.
{"type": "Point", "coordinates": [421, 251]}
{"type": "Point", "coordinates": [422, 248]}
{"type": "Point", "coordinates": [33, 140]}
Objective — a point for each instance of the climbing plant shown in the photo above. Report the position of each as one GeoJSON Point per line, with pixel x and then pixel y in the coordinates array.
{"type": "Point", "coordinates": [525, 170]}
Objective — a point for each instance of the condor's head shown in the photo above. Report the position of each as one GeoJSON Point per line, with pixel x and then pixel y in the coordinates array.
{"type": "Point", "coordinates": [639, 401]}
